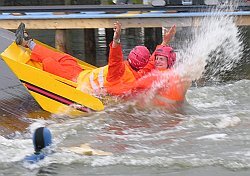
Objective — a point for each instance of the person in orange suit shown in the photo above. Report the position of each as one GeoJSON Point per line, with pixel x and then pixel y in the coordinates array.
{"type": "Point", "coordinates": [164, 86]}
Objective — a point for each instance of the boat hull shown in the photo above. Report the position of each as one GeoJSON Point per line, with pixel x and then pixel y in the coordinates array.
{"type": "Point", "coordinates": [53, 93]}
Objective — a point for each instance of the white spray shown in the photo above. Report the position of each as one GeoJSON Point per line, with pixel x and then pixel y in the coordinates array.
{"type": "Point", "coordinates": [217, 39]}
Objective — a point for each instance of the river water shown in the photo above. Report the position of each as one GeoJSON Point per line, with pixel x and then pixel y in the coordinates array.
{"type": "Point", "coordinates": [210, 136]}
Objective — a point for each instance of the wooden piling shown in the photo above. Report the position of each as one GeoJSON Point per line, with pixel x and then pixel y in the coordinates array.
{"type": "Point", "coordinates": [108, 31]}
{"type": "Point", "coordinates": [158, 35]}
{"type": "Point", "coordinates": [109, 37]}
{"type": "Point", "coordinates": [60, 35]}
{"type": "Point", "coordinates": [60, 40]}
{"type": "Point", "coordinates": [90, 46]}
{"type": "Point", "coordinates": [152, 37]}
{"type": "Point", "coordinates": [148, 38]}
{"type": "Point", "coordinates": [1, 4]}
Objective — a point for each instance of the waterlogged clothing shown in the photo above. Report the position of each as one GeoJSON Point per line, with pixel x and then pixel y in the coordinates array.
{"type": "Point", "coordinates": [164, 88]}
{"type": "Point", "coordinates": [164, 85]}
{"type": "Point", "coordinates": [107, 79]}
{"type": "Point", "coordinates": [34, 158]}
{"type": "Point", "coordinates": [167, 87]}
{"type": "Point", "coordinates": [57, 63]}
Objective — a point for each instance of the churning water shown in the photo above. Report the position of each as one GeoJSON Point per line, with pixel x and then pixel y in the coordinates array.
{"type": "Point", "coordinates": [210, 137]}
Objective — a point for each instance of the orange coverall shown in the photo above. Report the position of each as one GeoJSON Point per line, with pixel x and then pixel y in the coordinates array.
{"type": "Point", "coordinates": [57, 63]}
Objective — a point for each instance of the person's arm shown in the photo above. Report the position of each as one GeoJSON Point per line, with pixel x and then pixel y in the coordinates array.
{"type": "Point", "coordinates": [168, 35]}
{"type": "Point", "coordinates": [117, 34]}
{"type": "Point", "coordinates": [116, 65]}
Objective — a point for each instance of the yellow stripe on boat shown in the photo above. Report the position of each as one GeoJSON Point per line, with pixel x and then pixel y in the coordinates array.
{"type": "Point", "coordinates": [53, 93]}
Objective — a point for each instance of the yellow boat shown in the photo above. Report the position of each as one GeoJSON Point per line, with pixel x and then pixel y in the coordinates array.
{"type": "Point", "coordinates": [53, 93]}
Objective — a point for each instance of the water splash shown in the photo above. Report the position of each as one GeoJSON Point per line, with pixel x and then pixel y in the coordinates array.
{"type": "Point", "coordinates": [215, 46]}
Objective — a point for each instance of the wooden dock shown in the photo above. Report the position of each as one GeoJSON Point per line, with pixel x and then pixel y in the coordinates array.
{"type": "Point", "coordinates": [96, 16]}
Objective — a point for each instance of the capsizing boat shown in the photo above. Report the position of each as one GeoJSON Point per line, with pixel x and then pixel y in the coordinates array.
{"type": "Point", "coordinates": [53, 93]}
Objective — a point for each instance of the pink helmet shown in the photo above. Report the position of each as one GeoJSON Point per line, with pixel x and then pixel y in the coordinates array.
{"type": "Point", "coordinates": [138, 57]}
{"type": "Point", "coordinates": [168, 52]}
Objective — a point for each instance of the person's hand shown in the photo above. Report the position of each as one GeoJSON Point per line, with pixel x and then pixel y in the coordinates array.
{"type": "Point", "coordinates": [168, 35]}
{"type": "Point", "coordinates": [117, 31]}
{"type": "Point", "coordinates": [117, 34]}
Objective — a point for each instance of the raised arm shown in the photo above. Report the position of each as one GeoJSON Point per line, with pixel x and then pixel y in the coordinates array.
{"type": "Point", "coordinates": [117, 34]}
{"type": "Point", "coordinates": [168, 35]}
{"type": "Point", "coordinates": [116, 66]}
